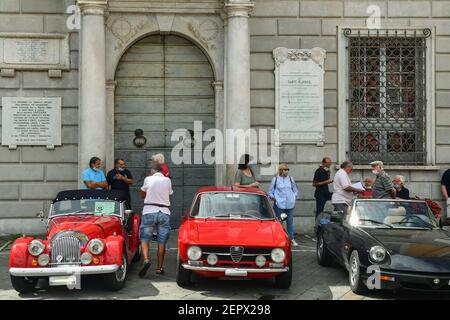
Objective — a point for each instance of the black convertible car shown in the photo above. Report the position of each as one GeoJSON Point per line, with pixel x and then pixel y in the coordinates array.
{"type": "Point", "coordinates": [386, 244]}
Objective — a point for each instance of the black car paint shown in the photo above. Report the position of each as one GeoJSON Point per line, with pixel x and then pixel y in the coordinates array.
{"type": "Point", "coordinates": [409, 250]}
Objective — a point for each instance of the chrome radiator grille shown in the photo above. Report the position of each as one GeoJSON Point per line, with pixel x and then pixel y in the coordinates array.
{"type": "Point", "coordinates": [236, 253]}
{"type": "Point", "coordinates": [65, 250]}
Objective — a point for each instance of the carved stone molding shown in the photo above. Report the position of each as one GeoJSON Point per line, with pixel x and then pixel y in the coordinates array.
{"type": "Point", "coordinates": [125, 28]}
{"type": "Point", "coordinates": [165, 22]}
{"type": "Point", "coordinates": [217, 85]}
{"type": "Point", "coordinates": [205, 31]}
{"type": "Point", "coordinates": [88, 7]}
{"type": "Point", "coordinates": [282, 54]}
{"type": "Point", "coordinates": [238, 9]}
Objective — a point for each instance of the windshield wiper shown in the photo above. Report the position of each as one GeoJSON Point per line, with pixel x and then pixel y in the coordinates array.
{"type": "Point", "coordinates": [226, 215]}
{"type": "Point", "coordinates": [426, 225]}
{"type": "Point", "coordinates": [377, 222]}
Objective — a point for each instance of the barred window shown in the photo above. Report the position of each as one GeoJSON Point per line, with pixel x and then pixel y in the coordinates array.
{"type": "Point", "coordinates": [387, 100]}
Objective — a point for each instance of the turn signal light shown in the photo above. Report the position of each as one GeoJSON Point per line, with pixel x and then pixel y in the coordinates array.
{"type": "Point", "coordinates": [34, 263]}
{"type": "Point", "coordinates": [96, 260]}
{"type": "Point", "coordinates": [386, 278]}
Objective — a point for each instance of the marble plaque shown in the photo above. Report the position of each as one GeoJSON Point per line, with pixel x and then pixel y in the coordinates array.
{"type": "Point", "coordinates": [299, 113]}
{"type": "Point", "coordinates": [28, 51]}
{"type": "Point", "coordinates": [31, 121]}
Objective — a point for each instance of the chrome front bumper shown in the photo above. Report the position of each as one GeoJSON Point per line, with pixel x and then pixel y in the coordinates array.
{"type": "Point", "coordinates": [237, 270]}
{"type": "Point", "coordinates": [62, 270]}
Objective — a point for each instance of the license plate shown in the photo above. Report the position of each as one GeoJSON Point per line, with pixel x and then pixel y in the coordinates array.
{"type": "Point", "coordinates": [235, 273]}
{"type": "Point", "coordinates": [63, 281]}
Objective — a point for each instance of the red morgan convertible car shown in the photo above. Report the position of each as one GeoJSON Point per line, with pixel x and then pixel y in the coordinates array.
{"type": "Point", "coordinates": [88, 232]}
{"type": "Point", "coordinates": [233, 232]}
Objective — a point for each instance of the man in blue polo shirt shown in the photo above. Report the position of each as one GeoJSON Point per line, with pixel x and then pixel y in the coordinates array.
{"type": "Point", "coordinates": [93, 177]}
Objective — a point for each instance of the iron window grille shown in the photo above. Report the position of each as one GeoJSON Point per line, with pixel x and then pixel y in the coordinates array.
{"type": "Point", "coordinates": [387, 95]}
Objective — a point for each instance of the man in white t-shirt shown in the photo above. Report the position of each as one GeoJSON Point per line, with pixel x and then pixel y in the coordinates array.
{"type": "Point", "coordinates": [343, 190]}
{"type": "Point", "coordinates": [156, 192]}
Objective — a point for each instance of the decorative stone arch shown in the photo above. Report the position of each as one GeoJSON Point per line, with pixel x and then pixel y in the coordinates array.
{"type": "Point", "coordinates": [124, 30]}
{"type": "Point", "coordinates": [206, 32]}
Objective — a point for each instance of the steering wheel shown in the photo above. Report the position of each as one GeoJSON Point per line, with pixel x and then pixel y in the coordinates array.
{"type": "Point", "coordinates": [251, 211]}
{"type": "Point", "coordinates": [406, 219]}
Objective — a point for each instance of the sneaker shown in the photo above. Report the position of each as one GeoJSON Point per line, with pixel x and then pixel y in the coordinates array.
{"type": "Point", "coordinates": [144, 269]}
{"type": "Point", "coordinates": [294, 243]}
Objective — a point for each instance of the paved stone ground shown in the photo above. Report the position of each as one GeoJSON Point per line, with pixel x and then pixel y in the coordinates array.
{"type": "Point", "coordinates": [310, 282]}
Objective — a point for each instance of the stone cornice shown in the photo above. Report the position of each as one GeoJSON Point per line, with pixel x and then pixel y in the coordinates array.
{"type": "Point", "coordinates": [97, 7]}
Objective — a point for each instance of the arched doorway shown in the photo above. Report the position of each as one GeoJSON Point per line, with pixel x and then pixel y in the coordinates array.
{"type": "Point", "coordinates": [163, 83]}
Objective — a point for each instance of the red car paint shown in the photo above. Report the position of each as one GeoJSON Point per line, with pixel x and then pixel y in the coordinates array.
{"type": "Point", "coordinates": [268, 234]}
{"type": "Point", "coordinates": [107, 228]}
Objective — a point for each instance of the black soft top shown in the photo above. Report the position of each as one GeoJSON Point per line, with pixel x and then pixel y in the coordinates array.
{"type": "Point", "coordinates": [117, 195]}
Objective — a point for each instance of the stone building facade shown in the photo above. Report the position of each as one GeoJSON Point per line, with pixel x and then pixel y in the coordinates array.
{"type": "Point", "coordinates": [159, 65]}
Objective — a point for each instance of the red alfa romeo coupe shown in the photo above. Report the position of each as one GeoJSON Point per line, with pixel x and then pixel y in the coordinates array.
{"type": "Point", "coordinates": [233, 233]}
{"type": "Point", "coordinates": [88, 232]}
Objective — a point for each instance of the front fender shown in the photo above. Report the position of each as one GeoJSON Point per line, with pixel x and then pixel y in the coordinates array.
{"type": "Point", "coordinates": [114, 249]}
{"type": "Point", "coordinates": [19, 257]}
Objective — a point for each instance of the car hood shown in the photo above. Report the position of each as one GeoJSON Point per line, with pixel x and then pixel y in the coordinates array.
{"type": "Point", "coordinates": [416, 250]}
{"type": "Point", "coordinates": [236, 232]}
{"type": "Point", "coordinates": [91, 225]}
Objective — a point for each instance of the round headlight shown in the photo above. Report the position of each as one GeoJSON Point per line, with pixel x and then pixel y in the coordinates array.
{"type": "Point", "coordinates": [96, 246]}
{"type": "Point", "coordinates": [278, 255]}
{"type": "Point", "coordinates": [43, 260]}
{"type": "Point", "coordinates": [86, 258]}
{"type": "Point", "coordinates": [377, 253]}
{"type": "Point", "coordinates": [260, 261]}
{"type": "Point", "coordinates": [212, 259]}
{"type": "Point", "coordinates": [194, 253]}
{"type": "Point", "coordinates": [36, 247]}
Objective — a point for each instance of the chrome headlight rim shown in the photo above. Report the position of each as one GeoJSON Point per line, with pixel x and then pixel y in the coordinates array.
{"type": "Point", "coordinates": [212, 259]}
{"type": "Point", "coordinates": [278, 255]}
{"type": "Point", "coordinates": [39, 245]}
{"type": "Point", "coordinates": [99, 243]}
{"type": "Point", "coordinates": [373, 254]}
{"type": "Point", "coordinates": [194, 253]}
{"type": "Point", "coordinates": [86, 258]}
{"type": "Point", "coordinates": [260, 261]}
{"type": "Point", "coordinates": [43, 260]}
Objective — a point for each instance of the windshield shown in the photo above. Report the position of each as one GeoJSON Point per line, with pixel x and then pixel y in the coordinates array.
{"type": "Point", "coordinates": [230, 205]}
{"type": "Point", "coordinates": [393, 214]}
{"type": "Point", "coordinates": [86, 206]}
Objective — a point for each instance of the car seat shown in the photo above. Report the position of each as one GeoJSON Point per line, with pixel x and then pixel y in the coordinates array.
{"type": "Point", "coordinates": [395, 215]}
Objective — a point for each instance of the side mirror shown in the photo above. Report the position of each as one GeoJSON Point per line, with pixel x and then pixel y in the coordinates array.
{"type": "Point", "coordinates": [337, 216]}
{"type": "Point", "coordinates": [128, 213]}
{"type": "Point", "coordinates": [40, 215]}
{"type": "Point", "coordinates": [283, 217]}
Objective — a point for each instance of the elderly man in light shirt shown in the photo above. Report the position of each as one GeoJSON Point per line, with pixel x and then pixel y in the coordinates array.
{"type": "Point", "coordinates": [343, 190]}
{"type": "Point", "coordinates": [156, 192]}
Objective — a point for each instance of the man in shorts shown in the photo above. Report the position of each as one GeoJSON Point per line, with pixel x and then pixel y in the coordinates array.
{"type": "Point", "coordinates": [156, 192]}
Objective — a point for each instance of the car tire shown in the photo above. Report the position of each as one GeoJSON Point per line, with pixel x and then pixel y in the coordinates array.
{"type": "Point", "coordinates": [137, 255]}
{"type": "Point", "coordinates": [357, 284]}
{"type": "Point", "coordinates": [324, 256]}
{"type": "Point", "coordinates": [284, 280]}
{"type": "Point", "coordinates": [23, 284]}
{"type": "Point", "coordinates": [184, 276]}
{"type": "Point", "coordinates": [116, 280]}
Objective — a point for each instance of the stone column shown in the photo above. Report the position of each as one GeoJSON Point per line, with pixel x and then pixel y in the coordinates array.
{"type": "Point", "coordinates": [92, 110]}
{"type": "Point", "coordinates": [219, 117]}
{"type": "Point", "coordinates": [110, 90]}
{"type": "Point", "coordinates": [237, 72]}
